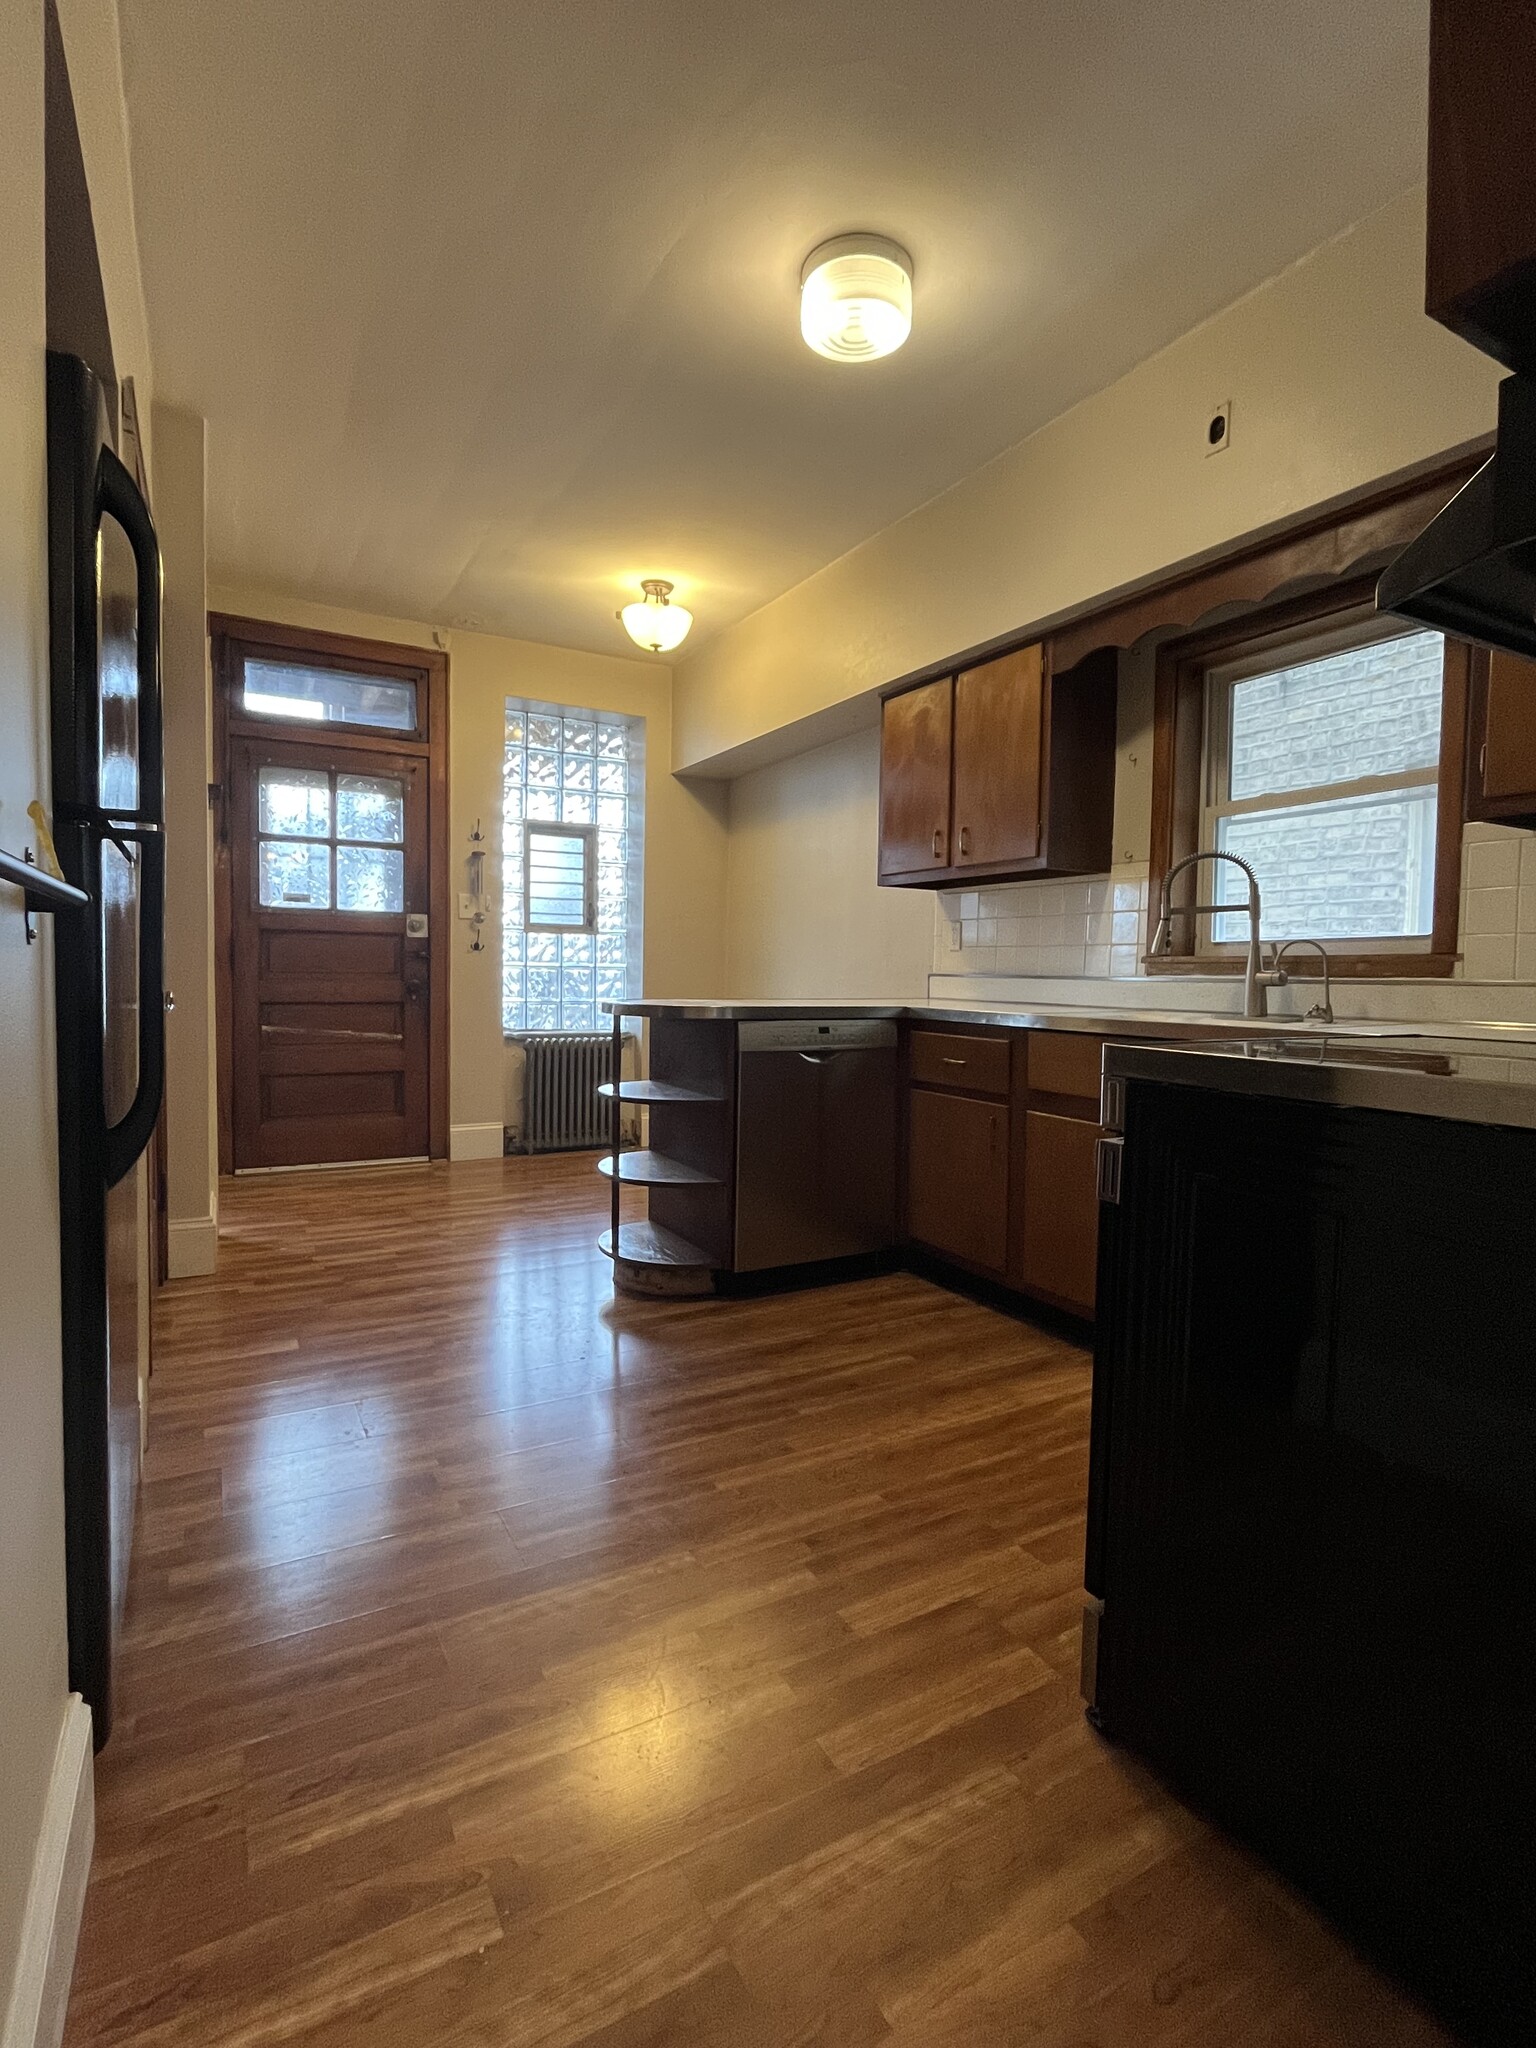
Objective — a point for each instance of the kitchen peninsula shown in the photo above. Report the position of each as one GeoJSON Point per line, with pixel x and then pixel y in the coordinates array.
{"type": "Point", "coordinates": [972, 1151]}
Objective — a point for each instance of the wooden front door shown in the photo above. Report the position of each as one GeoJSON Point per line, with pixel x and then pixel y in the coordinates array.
{"type": "Point", "coordinates": [331, 1014]}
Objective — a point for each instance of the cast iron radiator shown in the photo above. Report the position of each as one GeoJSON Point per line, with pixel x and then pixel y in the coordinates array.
{"type": "Point", "coordinates": [562, 1110]}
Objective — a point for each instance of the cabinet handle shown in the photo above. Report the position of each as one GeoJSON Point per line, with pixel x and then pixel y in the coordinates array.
{"type": "Point", "coordinates": [950, 1060]}
{"type": "Point", "coordinates": [1482, 762]}
{"type": "Point", "coordinates": [938, 842]}
{"type": "Point", "coordinates": [965, 840]}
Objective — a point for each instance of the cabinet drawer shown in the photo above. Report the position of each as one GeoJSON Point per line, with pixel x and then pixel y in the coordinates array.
{"type": "Point", "coordinates": [947, 1059]}
{"type": "Point", "coordinates": [1066, 1063]}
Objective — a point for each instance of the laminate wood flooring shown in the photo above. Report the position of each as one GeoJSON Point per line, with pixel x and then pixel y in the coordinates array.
{"type": "Point", "coordinates": [510, 1667]}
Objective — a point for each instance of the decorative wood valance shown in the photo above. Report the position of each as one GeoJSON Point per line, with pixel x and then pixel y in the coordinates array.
{"type": "Point", "coordinates": [1329, 548]}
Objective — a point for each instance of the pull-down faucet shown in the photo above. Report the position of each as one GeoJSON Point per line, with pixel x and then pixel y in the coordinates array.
{"type": "Point", "coordinates": [1257, 979]}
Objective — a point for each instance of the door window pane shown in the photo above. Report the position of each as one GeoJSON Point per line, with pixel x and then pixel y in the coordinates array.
{"type": "Point", "coordinates": [327, 696]}
{"type": "Point", "coordinates": [370, 807]}
{"type": "Point", "coordinates": [370, 878]}
{"type": "Point", "coordinates": [294, 876]}
{"type": "Point", "coordinates": [295, 802]}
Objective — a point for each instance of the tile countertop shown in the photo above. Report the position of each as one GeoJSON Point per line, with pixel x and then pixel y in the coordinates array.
{"type": "Point", "coordinates": [1456, 1078]}
{"type": "Point", "coordinates": [1110, 1023]}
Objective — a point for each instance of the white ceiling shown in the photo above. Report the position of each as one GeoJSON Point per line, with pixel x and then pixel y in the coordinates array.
{"type": "Point", "coordinates": [491, 305]}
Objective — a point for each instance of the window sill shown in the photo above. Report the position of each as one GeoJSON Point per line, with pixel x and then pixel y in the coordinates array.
{"type": "Point", "coordinates": [1307, 967]}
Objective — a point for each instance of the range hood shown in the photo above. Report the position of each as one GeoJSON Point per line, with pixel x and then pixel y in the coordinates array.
{"type": "Point", "coordinates": [1472, 571]}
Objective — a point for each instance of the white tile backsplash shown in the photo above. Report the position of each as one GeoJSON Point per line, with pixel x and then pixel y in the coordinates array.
{"type": "Point", "coordinates": [1098, 929]}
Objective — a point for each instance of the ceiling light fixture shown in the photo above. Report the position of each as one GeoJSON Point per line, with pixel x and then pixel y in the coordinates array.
{"type": "Point", "coordinates": [856, 298]}
{"type": "Point", "coordinates": [654, 621]}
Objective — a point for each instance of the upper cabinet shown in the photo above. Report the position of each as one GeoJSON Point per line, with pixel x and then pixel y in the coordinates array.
{"type": "Point", "coordinates": [1501, 761]}
{"type": "Point", "coordinates": [916, 740]}
{"type": "Point", "coordinates": [1004, 770]}
{"type": "Point", "coordinates": [1482, 176]}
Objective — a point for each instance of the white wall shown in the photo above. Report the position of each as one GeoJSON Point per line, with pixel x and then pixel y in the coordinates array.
{"type": "Point", "coordinates": [805, 915]}
{"type": "Point", "coordinates": [1336, 379]}
{"type": "Point", "coordinates": [33, 1684]}
{"type": "Point", "coordinates": [191, 1075]}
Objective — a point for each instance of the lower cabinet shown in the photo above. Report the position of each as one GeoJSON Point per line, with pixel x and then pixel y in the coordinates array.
{"type": "Point", "coordinates": [1060, 1236]}
{"type": "Point", "coordinates": [1008, 1187]}
{"type": "Point", "coordinates": [957, 1177]}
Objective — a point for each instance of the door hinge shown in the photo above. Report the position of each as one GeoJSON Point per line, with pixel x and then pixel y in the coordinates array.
{"type": "Point", "coordinates": [1108, 1159]}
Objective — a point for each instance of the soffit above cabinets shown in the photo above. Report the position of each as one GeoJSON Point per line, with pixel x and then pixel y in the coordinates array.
{"type": "Point", "coordinates": [493, 310]}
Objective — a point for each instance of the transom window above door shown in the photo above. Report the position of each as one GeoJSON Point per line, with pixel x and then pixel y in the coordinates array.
{"type": "Point", "coordinates": [310, 694]}
{"type": "Point", "coordinates": [329, 841]}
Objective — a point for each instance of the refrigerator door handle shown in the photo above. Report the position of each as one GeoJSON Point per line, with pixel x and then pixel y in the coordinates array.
{"type": "Point", "coordinates": [125, 1140]}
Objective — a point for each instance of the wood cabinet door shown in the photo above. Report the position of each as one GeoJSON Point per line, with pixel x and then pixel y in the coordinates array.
{"type": "Point", "coordinates": [1060, 1247]}
{"type": "Point", "coordinates": [957, 1176]}
{"type": "Point", "coordinates": [1506, 759]}
{"type": "Point", "coordinates": [916, 733]}
{"type": "Point", "coordinates": [999, 726]}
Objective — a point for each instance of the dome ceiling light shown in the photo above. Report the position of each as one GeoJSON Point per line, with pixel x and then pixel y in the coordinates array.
{"type": "Point", "coordinates": [654, 622]}
{"type": "Point", "coordinates": [856, 298]}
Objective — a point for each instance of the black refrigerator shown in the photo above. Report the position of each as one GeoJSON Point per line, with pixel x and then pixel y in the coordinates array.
{"type": "Point", "coordinates": [108, 798]}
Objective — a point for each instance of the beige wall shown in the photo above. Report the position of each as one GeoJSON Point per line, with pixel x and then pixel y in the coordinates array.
{"type": "Point", "coordinates": [1336, 379]}
{"type": "Point", "coordinates": [805, 915]}
{"type": "Point", "coordinates": [191, 1076]}
{"type": "Point", "coordinates": [684, 825]}
{"type": "Point", "coordinates": [33, 1682]}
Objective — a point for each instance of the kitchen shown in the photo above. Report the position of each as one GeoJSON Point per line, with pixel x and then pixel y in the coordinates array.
{"type": "Point", "coordinates": [686, 1633]}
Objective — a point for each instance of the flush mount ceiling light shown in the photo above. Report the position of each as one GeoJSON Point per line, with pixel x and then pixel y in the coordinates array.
{"type": "Point", "coordinates": [856, 298]}
{"type": "Point", "coordinates": [654, 621]}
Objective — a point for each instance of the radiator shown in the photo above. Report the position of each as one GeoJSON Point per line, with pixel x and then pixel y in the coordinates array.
{"type": "Point", "coordinates": [562, 1110]}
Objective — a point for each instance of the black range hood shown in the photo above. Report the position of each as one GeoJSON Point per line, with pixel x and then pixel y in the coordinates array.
{"type": "Point", "coordinates": [1472, 571]}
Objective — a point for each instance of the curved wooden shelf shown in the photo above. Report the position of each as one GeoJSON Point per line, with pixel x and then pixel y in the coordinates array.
{"type": "Point", "coordinates": [655, 1091]}
{"type": "Point", "coordinates": [653, 1170]}
{"type": "Point", "coordinates": [648, 1244]}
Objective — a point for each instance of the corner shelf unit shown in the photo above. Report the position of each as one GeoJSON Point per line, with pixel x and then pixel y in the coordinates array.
{"type": "Point", "coordinates": [648, 1258]}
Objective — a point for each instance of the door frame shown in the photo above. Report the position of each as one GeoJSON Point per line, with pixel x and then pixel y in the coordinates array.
{"type": "Point", "coordinates": [231, 638]}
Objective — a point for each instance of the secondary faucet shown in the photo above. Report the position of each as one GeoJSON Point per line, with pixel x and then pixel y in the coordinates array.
{"type": "Point", "coordinates": [1323, 1011]}
{"type": "Point", "coordinates": [1257, 979]}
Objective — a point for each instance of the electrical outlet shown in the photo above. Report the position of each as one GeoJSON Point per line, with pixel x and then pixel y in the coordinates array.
{"type": "Point", "coordinates": [1218, 427]}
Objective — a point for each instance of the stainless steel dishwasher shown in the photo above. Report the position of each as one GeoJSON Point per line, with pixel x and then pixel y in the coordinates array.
{"type": "Point", "coordinates": [815, 1141]}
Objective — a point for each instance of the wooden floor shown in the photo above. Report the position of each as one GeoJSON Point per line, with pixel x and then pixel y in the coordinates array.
{"type": "Point", "coordinates": [506, 1665]}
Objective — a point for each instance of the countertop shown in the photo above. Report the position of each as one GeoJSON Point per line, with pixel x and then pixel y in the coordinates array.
{"type": "Point", "coordinates": [1117, 1023]}
{"type": "Point", "coordinates": [1487, 1080]}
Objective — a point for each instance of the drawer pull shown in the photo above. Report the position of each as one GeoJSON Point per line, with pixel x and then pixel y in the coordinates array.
{"type": "Point", "coordinates": [951, 1061]}
{"type": "Point", "coordinates": [965, 839]}
{"type": "Point", "coordinates": [938, 842]}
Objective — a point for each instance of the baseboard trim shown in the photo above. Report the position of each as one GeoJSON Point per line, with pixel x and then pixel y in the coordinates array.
{"type": "Point", "coordinates": [191, 1247]}
{"type": "Point", "coordinates": [56, 1896]}
{"type": "Point", "coordinates": [476, 1141]}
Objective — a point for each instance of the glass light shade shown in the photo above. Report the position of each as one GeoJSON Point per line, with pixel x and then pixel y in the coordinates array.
{"type": "Point", "coordinates": [654, 621]}
{"type": "Point", "coordinates": [856, 298]}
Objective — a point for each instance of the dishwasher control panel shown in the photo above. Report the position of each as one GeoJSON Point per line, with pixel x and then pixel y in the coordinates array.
{"type": "Point", "coordinates": [813, 1034]}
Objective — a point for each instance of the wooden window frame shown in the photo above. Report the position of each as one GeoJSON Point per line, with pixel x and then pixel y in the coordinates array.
{"type": "Point", "coordinates": [231, 639]}
{"type": "Point", "coordinates": [1178, 784]}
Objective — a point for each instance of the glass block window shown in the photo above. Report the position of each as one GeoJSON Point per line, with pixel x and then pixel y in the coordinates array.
{"type": "Point", "coordinates": [297, 690]}
{"type": "Point", "coordinates": [572, 846]}
{"type": "Point", "coordinates": [1322, 772]}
